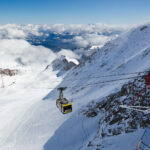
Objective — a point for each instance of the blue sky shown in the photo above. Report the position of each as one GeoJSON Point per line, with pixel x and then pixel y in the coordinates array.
{"type": "Point", "coordinates": [74, 11]}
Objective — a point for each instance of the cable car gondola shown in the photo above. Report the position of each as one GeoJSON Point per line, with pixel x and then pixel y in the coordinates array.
{"type": "Point", "coordinates": [62, 103]}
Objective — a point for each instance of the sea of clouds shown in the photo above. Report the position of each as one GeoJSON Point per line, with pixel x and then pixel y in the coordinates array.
{"type": "Point", "coordinates": [34, 44]}
{"type": "Point", "coordinates": [78, 34]}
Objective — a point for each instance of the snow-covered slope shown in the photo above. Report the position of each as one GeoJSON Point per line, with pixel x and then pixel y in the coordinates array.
{"type": "Point", "coordinates": [29, 118]}
{"type": "Point", "coordinates": [130, 52]}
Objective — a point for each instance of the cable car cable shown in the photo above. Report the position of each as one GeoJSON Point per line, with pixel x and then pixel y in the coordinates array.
{"type": "Point", "coordinates": [102, 82]}
{"type": "Point", "coordinates": [104, 76]}
{"type": "Point", "coordinates": [93, 84]}
{"type": "Point", "coordinates": [97, 83]}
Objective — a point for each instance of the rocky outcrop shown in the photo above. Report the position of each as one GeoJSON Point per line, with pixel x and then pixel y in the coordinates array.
{"type": "Point", "coordinates": [9, 72]}
{"type": "Point", "coordinates": [117, 120]}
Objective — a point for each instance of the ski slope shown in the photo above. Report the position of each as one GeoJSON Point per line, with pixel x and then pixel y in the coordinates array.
{"type": "Point", "coordinates": [25, 118]}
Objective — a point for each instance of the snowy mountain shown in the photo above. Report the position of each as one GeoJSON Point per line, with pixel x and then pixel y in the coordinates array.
{"type": "Point", "coordinates": [98, 121]}
{"type": "Point", "coordinates": [28, 114]}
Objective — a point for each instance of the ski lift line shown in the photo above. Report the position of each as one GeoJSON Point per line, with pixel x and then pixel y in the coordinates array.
{"type": "Point", "coordinates": [104, 76]}
{"type": "Point", "coordinates": [104, 81]}
{"type": "Point", "coordinates": [116, 80]}
{"type": "Point", "coordinates": [93, 84]}
{"type": "Point", "coordinates": [90, 77]}
{"type": "Point", "coordinates": [68, 87]}
{"type": "Point", "coordinates": [88, 85]}
{"type": "Point", "coordinates": [118, 74]}
{"type": "Point", "coordinates": [114, 75]}
{"type": "Point", "coordinates": [122, 74]}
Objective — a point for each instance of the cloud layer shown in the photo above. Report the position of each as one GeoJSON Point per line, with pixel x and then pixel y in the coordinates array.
{"type": "Point", "coordinates": [60, 36]}
{"type": "Point", "coordinates": [15, 52]}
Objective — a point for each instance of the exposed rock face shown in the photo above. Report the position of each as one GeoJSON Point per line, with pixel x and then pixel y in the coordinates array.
{"type": "Point", "coordinates": [117, 120]}
{"type": "Point", "coordinates": [62, 64]}
{"type": "Point", "coordinates": [9, 72]}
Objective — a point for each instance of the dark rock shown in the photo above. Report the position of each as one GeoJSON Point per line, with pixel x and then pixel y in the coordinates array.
{"type": "Point", "coordinates": [9, 72]}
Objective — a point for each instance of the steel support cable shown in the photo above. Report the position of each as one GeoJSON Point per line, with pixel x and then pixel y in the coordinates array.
{"type": "Point", "coordinates": [98, 83]}
{"type": "Point", "coordinates": [104, 76]}
{"type": "Point", "coordinates": [107, 81]}
{"type": "Point", "coordinates": [122, 74]}
{"type": "Point", "coordinates": [94, 84]}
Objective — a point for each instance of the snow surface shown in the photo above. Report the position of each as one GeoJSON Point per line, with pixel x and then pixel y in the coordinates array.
{"type": "Point", "coordinates": [29, 119]}
{"type": "Point", "coordinates": [130, 52]}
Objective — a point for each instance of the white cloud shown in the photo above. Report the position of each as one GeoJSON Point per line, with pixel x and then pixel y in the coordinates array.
{"type": "Point", "coordinates": [13, 51]}
{"type": "Point", "coordinates": [80, 41]}
{"type": "Point", "coordinates": [16, 31]}
{"type": "Point", "coordinates": [94, 35]}
{"type": "Point", "coordinates": [11, 31]}
{"type": "Point", "coordinates": [68, 53]}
